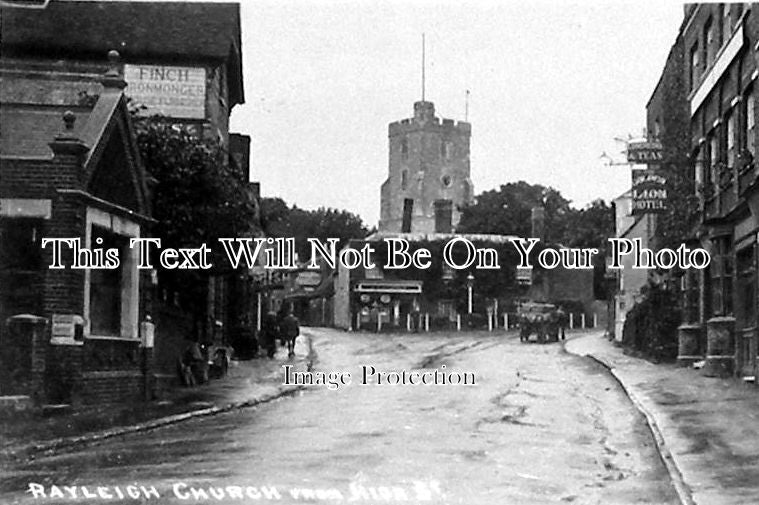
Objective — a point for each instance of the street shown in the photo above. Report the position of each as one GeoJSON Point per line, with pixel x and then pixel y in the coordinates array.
{"type": "Point", "coordinates": [539, 426]}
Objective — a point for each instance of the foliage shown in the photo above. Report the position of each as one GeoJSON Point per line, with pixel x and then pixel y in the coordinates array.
{"type": "Point", "coordinates": [651, 325]}
{"type": "Point", "coordinates": [197, 196]}
{"type": "Point", "coordinates": [278, 220]}
{"type": "Point", "coordinates": [508, 211]}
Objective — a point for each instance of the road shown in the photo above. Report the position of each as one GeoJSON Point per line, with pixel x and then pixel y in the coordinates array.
{"type": "Point", "coordinates": [539, 426]}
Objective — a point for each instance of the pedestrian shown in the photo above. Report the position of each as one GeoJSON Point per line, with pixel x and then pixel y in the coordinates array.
{"type": "Point", "coordinates": [290, 331]}
{"type": "Point", "coordinates": [269, 334]}
{"type": "Point", "coordinates": [562, 316]}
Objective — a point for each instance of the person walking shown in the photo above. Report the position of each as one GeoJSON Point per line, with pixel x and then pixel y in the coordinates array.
{"type": "Point", "coordinates": [269, 334]}
{"type": "Point", "coordinates": [290, 330]}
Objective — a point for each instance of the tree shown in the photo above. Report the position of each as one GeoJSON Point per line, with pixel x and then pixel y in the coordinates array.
{"type": "Point", "coordinates": [280, 221]}
{"type": "Point", "coordinates": [196, 198]}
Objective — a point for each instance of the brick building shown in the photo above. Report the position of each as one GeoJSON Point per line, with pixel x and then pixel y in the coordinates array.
{"type": "Point", "coordinates": [719, 78]}
{"type": "Point", "coordinates": [180, 60]}
{"type": "Point", "coordinates": [70, 169]}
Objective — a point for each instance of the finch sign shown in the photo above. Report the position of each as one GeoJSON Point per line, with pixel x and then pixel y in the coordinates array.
{"type": "Point", "coordinates": [176, 92]}
{"type": "Point", "coordinates": [649, 192]}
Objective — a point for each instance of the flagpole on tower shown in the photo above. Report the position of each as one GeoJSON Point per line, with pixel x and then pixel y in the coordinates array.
{"type": "Point", "coordinates": [423, 65]}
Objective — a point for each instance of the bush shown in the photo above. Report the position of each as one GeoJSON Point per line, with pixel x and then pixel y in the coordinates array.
{"type": "Point", "coordinates": [651, 325]}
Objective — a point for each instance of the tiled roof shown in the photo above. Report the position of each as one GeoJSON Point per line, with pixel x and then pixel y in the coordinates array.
{"type": "Point", "coordinates": [166, 31]}
{"type": "Point", "coordinates": [27, 130]}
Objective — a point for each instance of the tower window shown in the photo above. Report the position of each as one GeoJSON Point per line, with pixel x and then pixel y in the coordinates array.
{"type": "Point", "coordinates": [404, 149]}
{"type": "Point", "coordinates": [446, 180]}
{"type": "Point", "coordinates": [446, 150]}
{"type": "Point", "coordinates": [404, 179]}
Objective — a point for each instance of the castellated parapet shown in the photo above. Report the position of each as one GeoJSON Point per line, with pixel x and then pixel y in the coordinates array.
{"type": "Point", "coordinates": [428, 173]}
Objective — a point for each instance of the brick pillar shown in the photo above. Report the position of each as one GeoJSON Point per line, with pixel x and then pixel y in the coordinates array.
{"type": "Point", "coordinates": [720, 347]}
{"type": "Point", "coordinates": [688, 340]}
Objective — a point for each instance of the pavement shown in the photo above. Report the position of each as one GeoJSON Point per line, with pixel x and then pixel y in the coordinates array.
{"type": "Point", "coordinates": [246, 384]}
{"type": "Point", "coordinates": [707, 429]}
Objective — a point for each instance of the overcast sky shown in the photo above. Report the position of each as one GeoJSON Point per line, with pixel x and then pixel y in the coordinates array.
{"type": "Point", "coordinates": [551, 85]}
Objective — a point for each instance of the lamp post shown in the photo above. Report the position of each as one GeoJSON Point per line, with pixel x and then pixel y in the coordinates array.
{"type": "Point", "coordinates": [469, 285]}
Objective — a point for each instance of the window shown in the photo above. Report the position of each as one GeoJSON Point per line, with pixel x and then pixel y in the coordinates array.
{"type": "Point", "coordinates": [731, 133]}
{"type": "Point", "coordinates": [408, 212]}
{"type": "Point", "coordinates": [694, 69]}
{"type": "Point", "coordinates": [721, 272]}
{"type": "Point", "coordinates": [106, 287]}
{"type": "Point", "coordinates": [446, 150]}
{"type": "Point", "coordinates": [446, 180]}
{"type": "Point", "coordinates": [713, 158]}
{"type": "Point", "coordinates": [404, 149]}
{"type": "Point", "coordinates": [749, 105]}
{"type": "Point", "coordinates": [404, 179]}
{"type": "Point", "coordinates": [709, 44]}
{"type": "Point", "coordinates": [727, 25]}
{"type": "Point", "coordinates": [20, 248]}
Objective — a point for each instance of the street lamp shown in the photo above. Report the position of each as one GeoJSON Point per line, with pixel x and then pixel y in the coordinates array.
{"type": "Point", "coordinates": [469, 285]}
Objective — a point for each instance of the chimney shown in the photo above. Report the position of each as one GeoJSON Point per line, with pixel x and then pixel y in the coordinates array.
{"type": "Point", "coordinates": [67, 143]}
{"type": "Point", "coordinates": [538, 221]}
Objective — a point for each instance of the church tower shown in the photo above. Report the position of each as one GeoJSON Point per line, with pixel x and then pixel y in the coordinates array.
{"type": "Point", "coordinates": [428, 178]}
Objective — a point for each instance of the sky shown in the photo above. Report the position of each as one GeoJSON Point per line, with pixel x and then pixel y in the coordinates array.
{"type": "Point", "coordinates": [552, 84]}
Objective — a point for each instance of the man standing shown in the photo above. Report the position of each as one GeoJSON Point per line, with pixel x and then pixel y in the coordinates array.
{"type": "Point", "coordinates": [290, 330]}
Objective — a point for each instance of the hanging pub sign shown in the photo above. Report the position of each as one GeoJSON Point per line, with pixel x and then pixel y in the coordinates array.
{"type": "Point", "coordinates": [644, 151]}
{"type": "Point", "coordinates": [649, 191]}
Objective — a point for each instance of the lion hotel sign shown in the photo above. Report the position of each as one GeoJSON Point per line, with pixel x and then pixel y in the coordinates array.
{"type": "Point", "coordinates": [649, 191]}
{"type": "Point", "coordinates": [176, 92]}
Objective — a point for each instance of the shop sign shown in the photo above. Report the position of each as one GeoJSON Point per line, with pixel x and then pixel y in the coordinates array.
{"type": "Point", "coordinates": [648, 151]}
{"type": "Point", "coordinates": [524, 276]}
{"type": "Point", "coordinates": [649, 192]}
{"type": "Point", "coordinates": [176, 92]}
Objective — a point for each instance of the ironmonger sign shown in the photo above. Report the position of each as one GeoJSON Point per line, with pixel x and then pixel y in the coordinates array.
{"type": "Point", "coordinates": [176, 92]}
{"type": "Point", "coordinates": [649, 191]}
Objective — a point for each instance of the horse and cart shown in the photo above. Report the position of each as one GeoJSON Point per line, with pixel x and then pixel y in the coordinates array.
{"type": "Point", "coordinates": [544, 320]}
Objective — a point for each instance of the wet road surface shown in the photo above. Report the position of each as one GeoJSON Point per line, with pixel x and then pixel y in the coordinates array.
{"type": "Point", "coordinates": [539, 426]}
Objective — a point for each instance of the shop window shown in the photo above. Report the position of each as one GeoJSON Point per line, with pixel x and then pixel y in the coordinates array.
{"type": "Point", "coordinates": [721, 272]}
{"type": "Point", "coordinates": [690, 296]}
{"type": "Point", "coordinates": [106, 286]}
{"type": "Point", "coordinates": [747, 297]}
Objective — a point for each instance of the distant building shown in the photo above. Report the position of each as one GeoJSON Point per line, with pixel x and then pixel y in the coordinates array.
{"type": "Point", "coordinates": [428, 173]}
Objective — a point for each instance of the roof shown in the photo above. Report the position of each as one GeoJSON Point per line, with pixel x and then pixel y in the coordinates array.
{"type": "Point", "coordinates": [168, 31]}
{"type": "Point", "coordinates": [27, 131]}
{"type": "Point", "coordinates": [436, 237]}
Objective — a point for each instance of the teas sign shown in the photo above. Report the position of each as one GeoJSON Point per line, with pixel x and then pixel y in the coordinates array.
{"type": "Point", "coordinates": [644, 152]}
{"type": "Point", "coordinates": [176, 92]}
{"type": "Point", "coordinates": [649, 192]}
